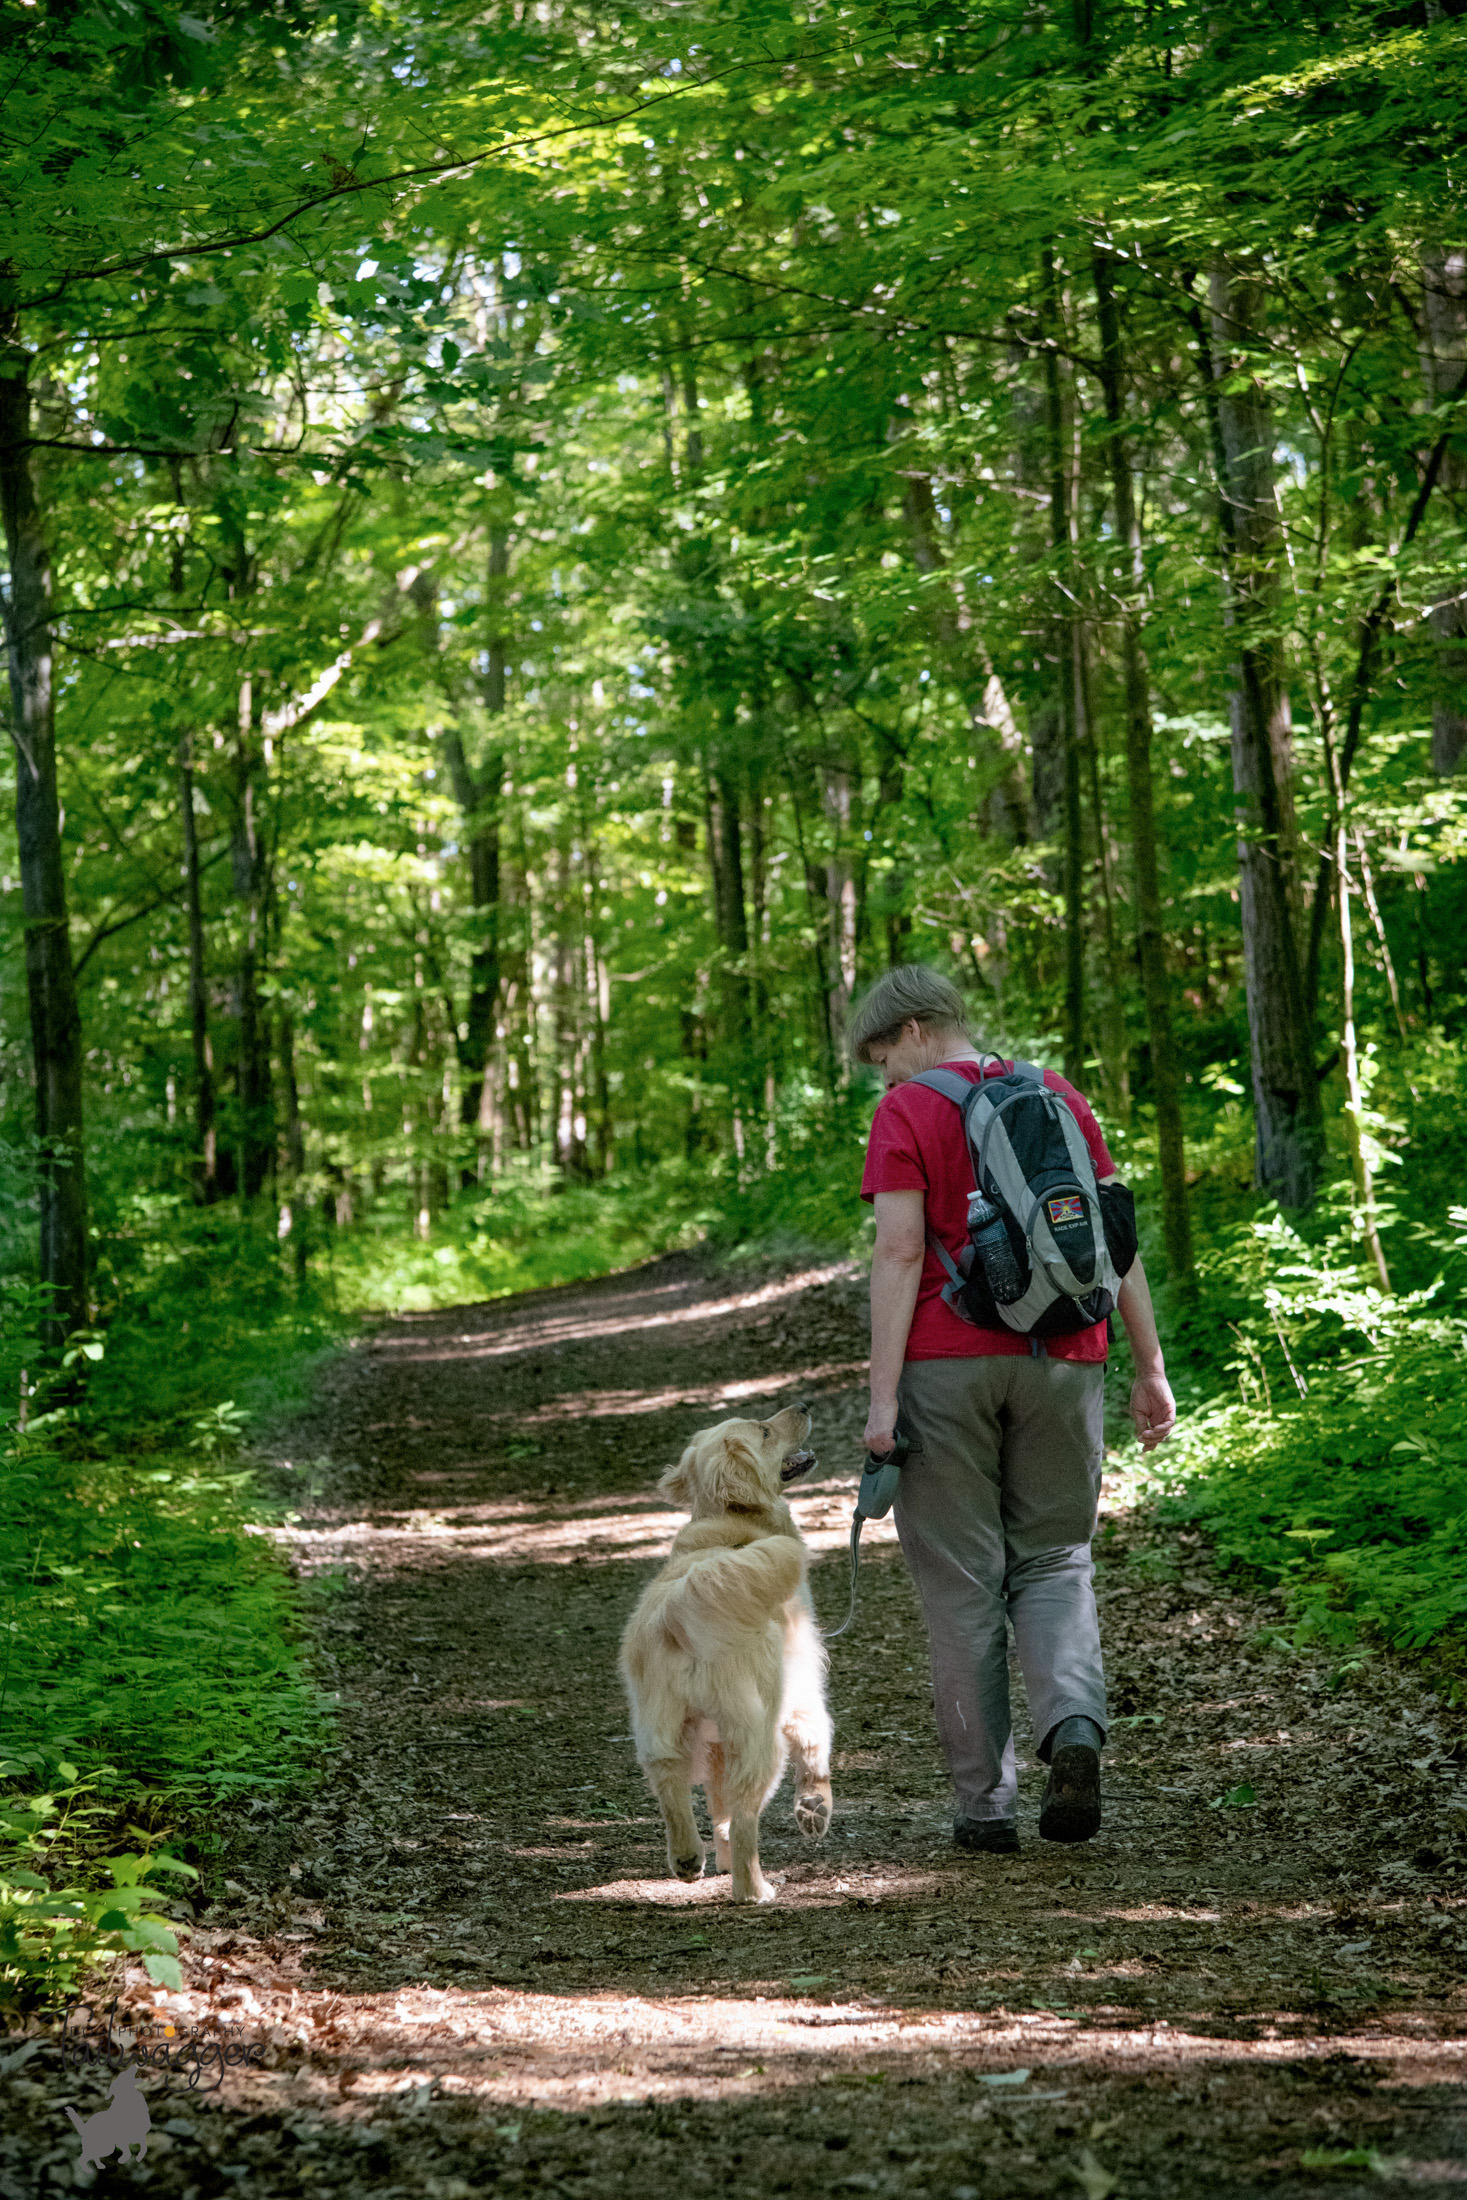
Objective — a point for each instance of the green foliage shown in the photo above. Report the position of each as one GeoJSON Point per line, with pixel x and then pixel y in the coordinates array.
{"type": "Point", "coordinates": [147, 1626]}
{"type": "Point", "coordinates": [153, 1661]}
{"type": "Point", "coordinates": [52, 1932]}
{"type": "Point", "coordinates": [595, 574]}
{"type": "Point", "coordinates": [525, 1235]}
{"type": "Point", "coordinates": [1338, 1468]}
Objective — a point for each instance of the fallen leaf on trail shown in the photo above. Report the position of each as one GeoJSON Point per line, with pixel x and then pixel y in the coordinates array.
{"type": "Point", "coordinates": [1096, 2181]}
{"type": "Point", "coordinates": [544, 1960]}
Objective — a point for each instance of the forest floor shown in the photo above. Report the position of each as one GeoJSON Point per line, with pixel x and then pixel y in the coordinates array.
{"type": "Point", "coordinates": [466, 1970]}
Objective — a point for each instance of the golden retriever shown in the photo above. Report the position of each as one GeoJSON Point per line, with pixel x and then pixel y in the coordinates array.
{"type": "Point", "coordinates": [722, 1660]}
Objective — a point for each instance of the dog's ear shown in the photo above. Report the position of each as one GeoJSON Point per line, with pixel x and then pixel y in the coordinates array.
{"type": "Point", "coordinates": [677, 1483]}
{"type": "Point", "coordinates": [736, 1476]}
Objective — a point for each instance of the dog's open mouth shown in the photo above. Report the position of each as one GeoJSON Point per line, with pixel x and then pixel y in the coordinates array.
{"type": "Point", "coordinates": [798, 1463]}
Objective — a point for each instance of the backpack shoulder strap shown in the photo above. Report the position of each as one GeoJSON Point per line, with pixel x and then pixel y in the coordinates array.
{"type": "Point", "coordinates": [954, 1273]}
{"type": "Point", "coordinates": [1031, 1073]}
{"type": "Point", "coordinates": [946, 1081]}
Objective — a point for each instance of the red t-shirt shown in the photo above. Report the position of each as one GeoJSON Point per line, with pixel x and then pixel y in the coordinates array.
{"type": "Point", "coordinates": [917, 1145]}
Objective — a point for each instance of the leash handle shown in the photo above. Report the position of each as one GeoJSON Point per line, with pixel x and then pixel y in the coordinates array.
{"type": "Point", "coordinates": [880, 1481]}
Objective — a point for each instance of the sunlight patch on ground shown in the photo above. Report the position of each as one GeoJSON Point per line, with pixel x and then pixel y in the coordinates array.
{"type": "Point", "coordinates": [591, 1404]}
{"type": "Point", "coordinates": [551, 2051]}
{"type": "Point", "coordinates": [677, 1894]}
{"type": "Point", "coordinates": [568, 1538]}
{"type": "Point", "coordinates": [603, 1319]}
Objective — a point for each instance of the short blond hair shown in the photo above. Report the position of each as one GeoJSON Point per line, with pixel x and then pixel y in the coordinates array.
{"type": "Point", "coordinates": [911, 991]}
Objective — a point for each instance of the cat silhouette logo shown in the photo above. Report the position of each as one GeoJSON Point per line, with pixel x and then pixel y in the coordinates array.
{"type": "Point", "coordinates": [123, 2126]}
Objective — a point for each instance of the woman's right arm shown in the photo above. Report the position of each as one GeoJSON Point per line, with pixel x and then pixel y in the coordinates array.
{"type": "Point", "coordinates": [896, 1271]}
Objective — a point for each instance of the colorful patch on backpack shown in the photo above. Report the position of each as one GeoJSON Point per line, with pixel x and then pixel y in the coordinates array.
{"type": "Point", "coordinates": [1069, 1209]}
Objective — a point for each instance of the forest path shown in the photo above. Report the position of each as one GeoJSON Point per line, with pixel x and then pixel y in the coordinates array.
{"type": "Point", "coordinates": [472, 1973]}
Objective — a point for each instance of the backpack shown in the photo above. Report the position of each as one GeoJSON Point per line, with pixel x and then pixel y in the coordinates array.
{"type": "Point", "coordinates": [1048, 1248]}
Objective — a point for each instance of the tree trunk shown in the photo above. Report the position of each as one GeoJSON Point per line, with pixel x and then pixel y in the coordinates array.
{"type": "Point", "coordinates": [1066, 700]}
{"type": "Point", "coordinates": [1288, 1113]}
{"type": "Point", "coordinates": [798, 779]}
{"type": "Point", "coordinates": [598, 991]}
{"type": "Point", "coordinates": [482, 817]}
{"type": "Point", "coordinates": [206, 1157]}
{"type": "Point", "coordinates": [726, 863]}
{"type": "Point", "coordinates": [256, 1108]}
{"type": "Point", "coordinates": [1443, 364]}
{"type": "Point", "coordinates": [1354, 1097]}
{"type": "Point", "coordinates": [479, 797]}
{"type": "Point", "coordinates": [51, 986]}
{"type": "Point", "coordinates": [840, 902]}
{"type": "Point", "coordinates": [1150, 938]}
{"type": "Point", "coordinates": [1115, 1047]}
{"type": "Point", "coordinates": [971, 667]}
{"type": "Point", "coordinates": [295, 1145]}
{"type": "Point", "coordinates": [295, 1141]}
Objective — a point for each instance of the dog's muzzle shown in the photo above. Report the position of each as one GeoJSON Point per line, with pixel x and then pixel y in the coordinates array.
{"type": "Point", "coordinates": [798, 1463]}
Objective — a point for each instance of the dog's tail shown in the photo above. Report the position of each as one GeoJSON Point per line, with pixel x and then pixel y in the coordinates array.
{"type": "Point", "coordinates": [71, 2112]}
{"type": "Point", "coordinates": [725, 1591]}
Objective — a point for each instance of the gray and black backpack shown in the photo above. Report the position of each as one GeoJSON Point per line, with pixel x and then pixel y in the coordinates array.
{"type": "Point", "coordinates": [1048, 1248]}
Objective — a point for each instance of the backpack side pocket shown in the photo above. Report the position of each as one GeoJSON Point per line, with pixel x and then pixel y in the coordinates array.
{"type": "Point", "coordinates": [1118, 1215]}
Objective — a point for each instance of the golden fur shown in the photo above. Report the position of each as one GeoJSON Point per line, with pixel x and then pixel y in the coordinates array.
{"type": "Point", "coordinates": [722, 1660]}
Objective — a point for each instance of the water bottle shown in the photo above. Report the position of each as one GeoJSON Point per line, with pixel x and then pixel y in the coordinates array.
{"type": "Point", "coordinates": [990, 1239]}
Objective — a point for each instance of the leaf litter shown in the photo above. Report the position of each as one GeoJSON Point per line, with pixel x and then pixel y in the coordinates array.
{"type": "Point", "coordinates": [468, 1972]}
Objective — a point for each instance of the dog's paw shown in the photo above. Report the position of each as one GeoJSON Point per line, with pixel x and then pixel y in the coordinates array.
{"type": "Point", "coordinates": [688, 1867]}
{"type": "Point", "coordinates": [812, 1811]}
{"type": "Point", "coordinates": [759, 1890]}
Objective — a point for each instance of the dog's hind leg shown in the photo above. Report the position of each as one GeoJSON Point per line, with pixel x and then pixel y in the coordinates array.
{"type": "Point", "coordinates": [670, 1779]}
{"type": "Point", "coordinates": [750, 1774]}
{"type": "Point", "coordinates": [718, 1805]}
{"type": "Point", "coordinates": [805, 1723]}
{"type": "Point", "coordinates": [749, 1882]}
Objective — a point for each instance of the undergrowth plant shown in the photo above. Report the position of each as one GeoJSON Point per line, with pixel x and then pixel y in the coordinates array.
{"type": "Point", "coordinates": [52, 1933]}
{"type": "Point", "coordinates": [1335, 1465]}
{"type": "Point", "coordinates": [154, 1663]}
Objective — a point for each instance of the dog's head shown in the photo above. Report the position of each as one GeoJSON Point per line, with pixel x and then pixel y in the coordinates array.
{"type": "Point", "coordinates": [741, 1466]}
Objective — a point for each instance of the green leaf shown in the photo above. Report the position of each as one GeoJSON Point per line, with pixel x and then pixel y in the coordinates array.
{"type": "Point", "coordinates": [1341, 2159]}
{"type": "Point", "coordinates": [1237, 1798]}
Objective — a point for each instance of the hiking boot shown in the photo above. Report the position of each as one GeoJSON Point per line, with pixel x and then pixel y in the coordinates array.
{"type": "Point", "coordinates": [986, 1836]}
{"type": "Point", "coordinates": [1071, 1807]}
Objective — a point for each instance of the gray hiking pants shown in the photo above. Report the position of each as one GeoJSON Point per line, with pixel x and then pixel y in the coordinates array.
{"type": "Point", "coordinates": [995, 1513]}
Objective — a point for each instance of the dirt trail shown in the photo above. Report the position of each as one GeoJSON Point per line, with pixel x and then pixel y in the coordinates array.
{"type": "Point", "coordinates": [469, 1974]}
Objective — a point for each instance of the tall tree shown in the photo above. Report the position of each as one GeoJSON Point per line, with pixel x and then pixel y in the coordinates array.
{"type": "Point", "coordinates": [206, 1156]}
{"type": "Point", "coordinates": [1444, 368]}
{"type": "Point", "coordinates": [56, 1035]}
{"type": "Point", "coordinates": [1166, 1081]}
{"type": "Point", "coordinates": [1287, 1109]}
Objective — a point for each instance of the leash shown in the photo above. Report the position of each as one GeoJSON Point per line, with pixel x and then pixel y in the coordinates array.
{"type": "Point", "coordinates": [880, 1480]}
